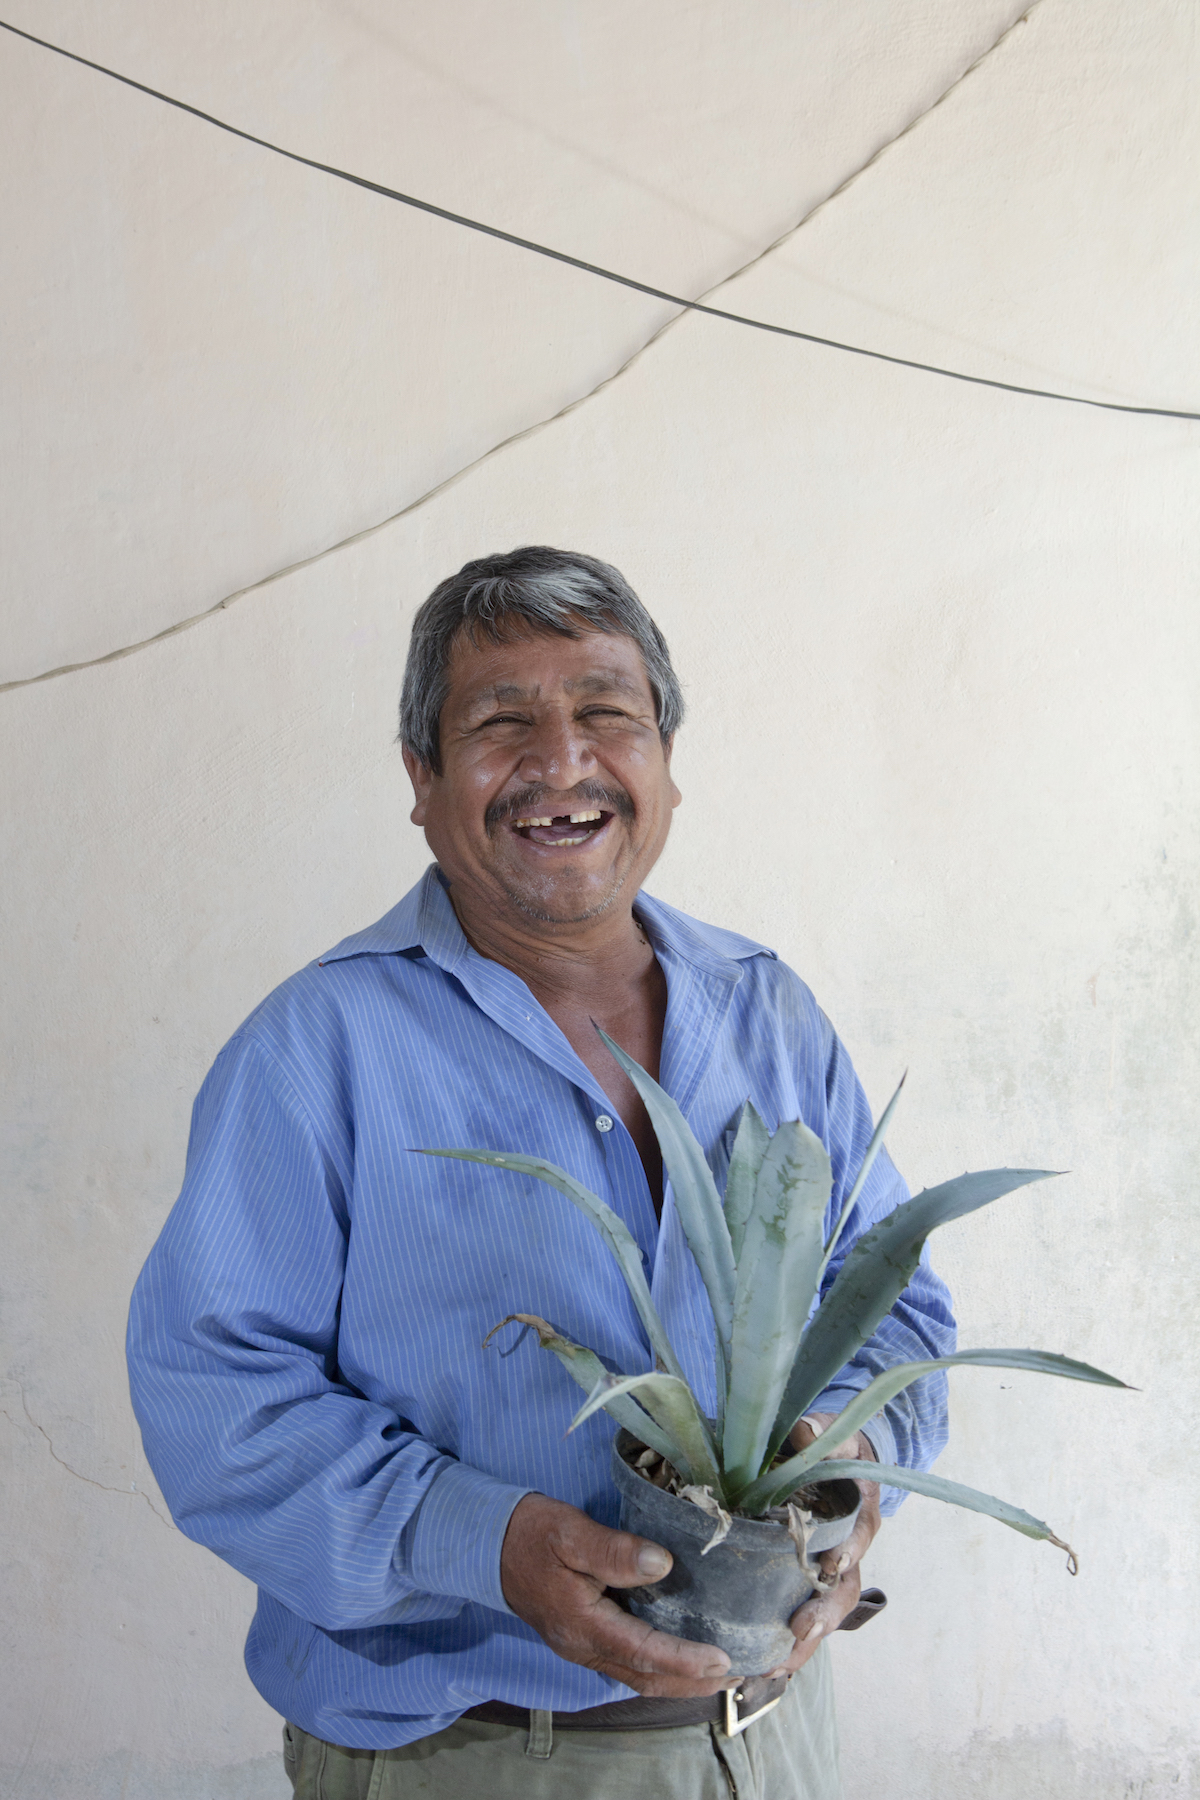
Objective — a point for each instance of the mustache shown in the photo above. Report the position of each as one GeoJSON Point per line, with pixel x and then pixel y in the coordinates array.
{"type": "Point", "coordinates": [591, 795]}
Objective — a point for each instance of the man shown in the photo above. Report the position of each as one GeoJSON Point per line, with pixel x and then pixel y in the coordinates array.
{"type": "Point", "coordinates": [432, 1551]}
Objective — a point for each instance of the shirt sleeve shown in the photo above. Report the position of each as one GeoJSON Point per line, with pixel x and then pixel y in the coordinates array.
{"type": "Point", "coordinates": [912, 1428]}
{"type": "Point", "coordinates": [320, 1496]}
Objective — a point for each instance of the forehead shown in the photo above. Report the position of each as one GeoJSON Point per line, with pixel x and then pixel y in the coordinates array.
{"type": "Point", "coordinates": [531, 665]}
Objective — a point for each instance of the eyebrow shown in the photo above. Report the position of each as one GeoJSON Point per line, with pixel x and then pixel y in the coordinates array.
{"type": "Point", "coordinates": [606, 681]}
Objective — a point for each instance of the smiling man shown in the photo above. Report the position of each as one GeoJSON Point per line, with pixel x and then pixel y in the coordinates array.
{"type": "Point", "coordinates": [435, 1557]}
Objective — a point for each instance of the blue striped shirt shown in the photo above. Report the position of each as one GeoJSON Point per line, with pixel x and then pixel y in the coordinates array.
{"type": "Point", "coordinates": [305, 1338]}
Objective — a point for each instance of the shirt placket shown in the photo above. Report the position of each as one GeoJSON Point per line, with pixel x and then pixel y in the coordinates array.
{"type": "Point", "coordinates": [698, 1002]}
{"type": "Point", "coordinates": [508, 1002]}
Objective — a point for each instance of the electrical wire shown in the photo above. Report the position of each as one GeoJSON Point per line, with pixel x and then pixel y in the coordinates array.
{"type": "Point", "coordinates": [575, 262]}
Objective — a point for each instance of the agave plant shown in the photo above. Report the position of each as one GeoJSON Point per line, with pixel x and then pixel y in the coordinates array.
{"type": "Point", "coordinates": [762, 1254]}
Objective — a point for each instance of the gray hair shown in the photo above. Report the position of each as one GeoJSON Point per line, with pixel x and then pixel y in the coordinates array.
{"type": "Point", "coordinates": [541, 589]}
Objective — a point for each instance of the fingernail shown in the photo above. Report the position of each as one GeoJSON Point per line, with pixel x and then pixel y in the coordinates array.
{"type": "Point", "coordinates": [776, 1673]}
{"type": "Point", "coordinates": [843, 1561]}
{"type": "Point", "coordinates": [813, 1631]}
{"type": "Point", "coordinates": [653, 1562]}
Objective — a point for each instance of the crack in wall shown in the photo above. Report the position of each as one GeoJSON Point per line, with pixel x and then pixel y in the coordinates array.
{"type": "Point", "coordinates": [526, 431]}
{"type": "Point", "coordinates": [132, 1493]}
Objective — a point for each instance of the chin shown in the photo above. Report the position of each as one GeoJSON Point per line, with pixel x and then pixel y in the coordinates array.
{"type": "Point", "coordinates": [564, 902]}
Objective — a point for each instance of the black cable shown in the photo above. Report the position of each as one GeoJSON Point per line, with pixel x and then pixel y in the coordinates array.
{"type": "Point", "coordinates": [575, 262]}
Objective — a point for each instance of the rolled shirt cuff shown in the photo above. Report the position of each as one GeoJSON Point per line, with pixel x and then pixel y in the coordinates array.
{"type": "Point", "coordinates": [454, 1546]}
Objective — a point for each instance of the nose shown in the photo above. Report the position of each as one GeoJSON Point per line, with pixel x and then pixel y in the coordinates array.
{"type": "Point", "coordinates": [557, 753]}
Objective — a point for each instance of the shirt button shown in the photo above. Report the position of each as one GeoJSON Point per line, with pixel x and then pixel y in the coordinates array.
{"type": "Point", "coordinates": [604, 1123]}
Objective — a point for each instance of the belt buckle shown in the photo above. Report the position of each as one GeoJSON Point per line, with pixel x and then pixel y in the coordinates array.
{"type": "Point", "coordinates": [734, 1723]}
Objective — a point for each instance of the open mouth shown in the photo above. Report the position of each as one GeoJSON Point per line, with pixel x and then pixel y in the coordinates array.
{"type": "Point", "coordinates": [562, 830]}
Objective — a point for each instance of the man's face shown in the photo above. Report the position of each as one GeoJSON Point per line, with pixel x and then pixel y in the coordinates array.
{"type": "Point", "coordinates": [555, 794]}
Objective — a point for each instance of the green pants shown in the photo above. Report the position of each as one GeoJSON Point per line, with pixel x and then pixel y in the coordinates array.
{"type": "Point", "coordinates": [789, 1755]}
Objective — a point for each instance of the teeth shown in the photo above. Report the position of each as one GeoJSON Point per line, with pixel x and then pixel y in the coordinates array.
{"type": "Point", "coordinates": [577, 818]}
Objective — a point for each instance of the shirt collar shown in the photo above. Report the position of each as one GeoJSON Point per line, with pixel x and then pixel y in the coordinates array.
{"type": "Point", "coordinates": [425, 921]}
{"type": "Point", "coordinates": [708, 947]}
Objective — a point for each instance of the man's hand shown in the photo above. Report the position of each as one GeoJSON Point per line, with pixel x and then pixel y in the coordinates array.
{"type": "Point", "coordinates": [826, 1609]}
{"type": "Point", "coordinates": [554, 1568]}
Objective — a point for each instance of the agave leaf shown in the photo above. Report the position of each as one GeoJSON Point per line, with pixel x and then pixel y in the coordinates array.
{"type": "Point", "coordinates": [749, 1148]}
{"type": "Point", "coordinates": [774, 1487]}
{"type": "Point", "coordinates": [873, 1149]}
{"type": "Point", "coordinates": [585, 1367]}
{"type": "Point", "coordinates": [919, 1481]}
{"type": "Point", "coordinates": [696, 1198]}
{"type": "Point", "coordinates": [776, 1280]}
{"type": "Point", "coordinates": [872, 1278]}
{"type": "Point", "coordinates": [673, 1406]}
{"type": "Point", "coordinates": [612, 1228]}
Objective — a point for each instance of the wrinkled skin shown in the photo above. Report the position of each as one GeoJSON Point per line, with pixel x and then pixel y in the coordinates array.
{"type": "Point", "coordinates": [825, 1612]}
{"type": "Point", "coordinates": [547, 725]}
{"type": "Point", "coordinates": [557, 1562]}
{"type": "Point", "coordinates": [554, 1568]}
{"type": "Point", "coordinates": [540, 724]}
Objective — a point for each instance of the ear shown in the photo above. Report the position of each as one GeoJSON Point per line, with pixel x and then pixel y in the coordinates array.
{"type": "Point", "coordinates": [422, 781]}
{"type": "Point", "coordinates": [676, 796]}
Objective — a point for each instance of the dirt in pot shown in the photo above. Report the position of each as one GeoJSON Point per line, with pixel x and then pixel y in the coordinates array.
{"type": "Point", "coordinates": [817, 1500]}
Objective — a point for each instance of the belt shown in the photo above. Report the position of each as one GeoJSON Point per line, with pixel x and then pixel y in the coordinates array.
{"type": "Point", "coordinates": [732, 1709]}
{"type": "Point", "coordinates": [751, 1700]}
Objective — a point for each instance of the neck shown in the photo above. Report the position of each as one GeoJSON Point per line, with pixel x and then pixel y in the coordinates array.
{"type": "Point", "coordinates": [551, 956]}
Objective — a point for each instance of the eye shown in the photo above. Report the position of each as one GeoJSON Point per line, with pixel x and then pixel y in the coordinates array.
{"type": "Point", "coordinates": [502, 719]}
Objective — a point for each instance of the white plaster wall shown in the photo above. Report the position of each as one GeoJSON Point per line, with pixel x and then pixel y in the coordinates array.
{"type": "Point", "coordinates": [941, 649]}
{"type": "Point", "coordinates": [220, 362]}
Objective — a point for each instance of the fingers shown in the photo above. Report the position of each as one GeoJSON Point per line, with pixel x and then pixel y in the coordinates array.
{"type": "Point", "coordinates": [617, 1558]}
{"type": "Point", "coordinates": [543, 1530]}
{"type": "Point", "coordinates": [848, 1555]}
{"type": "Point", "coordinates": [555, 1566]}
{"type": "Point", "coordinates": [841, 1583]}
{"type": "Point", "coordinates": [849, 1449]}
{"type": "Point", "coordinates": [651, 1661]}
{"type": "Point", "coordinates": [820, 1615]}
